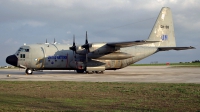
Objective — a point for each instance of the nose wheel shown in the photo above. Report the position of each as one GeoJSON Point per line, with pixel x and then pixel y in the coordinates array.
{"type": "Point", "coordinates": [29, 71]}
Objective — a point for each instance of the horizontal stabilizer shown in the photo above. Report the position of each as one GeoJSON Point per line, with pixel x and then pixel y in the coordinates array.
{"type": "Point", "coordinates": [175, 48]}
{"type": "Point", "coordinates": [130, 43]}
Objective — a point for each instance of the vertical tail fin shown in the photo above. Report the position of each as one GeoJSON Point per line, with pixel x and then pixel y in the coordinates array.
{"type": "Point", "coordinates": [163, 30]}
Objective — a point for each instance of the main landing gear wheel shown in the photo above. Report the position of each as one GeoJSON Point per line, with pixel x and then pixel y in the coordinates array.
{"type": "Point", "coordinates": [92, 72]}
{"type": "Point", "coordinates": [29, 71]}
{"type": "Point", "coordinates": [89, 72]}
{"type": "Point", "coordinates": [80, 71]}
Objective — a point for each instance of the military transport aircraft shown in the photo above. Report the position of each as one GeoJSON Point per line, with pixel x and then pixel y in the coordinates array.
{"type": "Point", "coordinates": [97, 57]}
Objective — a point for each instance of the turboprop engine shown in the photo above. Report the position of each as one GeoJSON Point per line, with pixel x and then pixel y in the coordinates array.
{"type": "Point", "coordinates": [96, 49]}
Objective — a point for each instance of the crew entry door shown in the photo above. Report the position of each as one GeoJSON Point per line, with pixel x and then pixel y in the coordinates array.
{"type": "Point", "coordinates": [38, 58]}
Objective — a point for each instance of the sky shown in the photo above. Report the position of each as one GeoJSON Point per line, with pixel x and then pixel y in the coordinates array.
{"type": "Point", "coordinates": [34, 21]}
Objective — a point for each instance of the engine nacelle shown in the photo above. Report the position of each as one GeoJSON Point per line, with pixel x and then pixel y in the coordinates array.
{"type": "Point", "coordinates": [110, 56]}
{"type": "Point", "coordinates": [97, 48]}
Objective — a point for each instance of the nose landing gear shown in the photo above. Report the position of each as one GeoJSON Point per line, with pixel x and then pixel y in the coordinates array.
{"type": "Point", "coordinates": [29, 71]}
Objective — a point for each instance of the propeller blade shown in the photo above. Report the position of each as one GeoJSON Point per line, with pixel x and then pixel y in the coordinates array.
{"type": "Point", "coordinates": [86, 56]}
{"type": "Point", "coordinates": [74, 40]}
{"type": "Point", "coordinates": [86, 45]}
{"type": "Point", "coordinates": [74, 54]}
{"type": "Point", "coordinates": [74, 45]}
{"type": "Point", "coordinates": [73, 48]}
{"type": "Point", "coordinates": [86, 40]}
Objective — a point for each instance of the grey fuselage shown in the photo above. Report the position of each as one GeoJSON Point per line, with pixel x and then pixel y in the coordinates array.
{"type": "Point", "coordinates": [58, 56]}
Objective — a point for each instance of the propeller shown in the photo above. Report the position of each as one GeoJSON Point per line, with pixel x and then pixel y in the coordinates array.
{"type": "Point", "coordinates": [73, 48]}
{"type": "Point", "coordinates": [86, 46]}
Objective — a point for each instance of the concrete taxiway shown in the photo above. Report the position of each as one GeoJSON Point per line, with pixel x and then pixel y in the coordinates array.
{"type": "Point", "coordinates": [160, 74]}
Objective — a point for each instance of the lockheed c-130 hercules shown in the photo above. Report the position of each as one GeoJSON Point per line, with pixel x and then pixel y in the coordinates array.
{"type": "Point", "coordinates": [97, 57]}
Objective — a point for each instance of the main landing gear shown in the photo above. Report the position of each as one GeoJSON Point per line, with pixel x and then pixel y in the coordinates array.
{"type": "Point", "coordinates": [29, 71]}
{"type": "Point", "coordinates": [80, 71]}
{"type": "Point", "coordinates": [92, 72]}
{"type": "Point", "coordinates": [89, 72]}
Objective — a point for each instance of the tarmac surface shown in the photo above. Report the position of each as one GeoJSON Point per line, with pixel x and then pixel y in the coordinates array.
{"type": "Point", "coordinates": [159, 74]}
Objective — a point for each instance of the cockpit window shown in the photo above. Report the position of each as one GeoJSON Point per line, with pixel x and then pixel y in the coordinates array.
{"type": "Point", "coordinates": [27, 50]}
{"type": "Point", "coordinates": [23, 50]}
{"type": "Point", "coordinates": [20, 49]}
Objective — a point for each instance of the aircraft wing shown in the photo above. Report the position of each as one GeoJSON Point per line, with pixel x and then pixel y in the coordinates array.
{"type": "Point", "coordinates": [174, 48]}
{"type": "Point", "coordinates": [130, 43]}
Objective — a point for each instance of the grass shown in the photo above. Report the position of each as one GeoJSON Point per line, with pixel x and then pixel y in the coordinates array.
{"type": "Point", "coordinates": [99, 96]}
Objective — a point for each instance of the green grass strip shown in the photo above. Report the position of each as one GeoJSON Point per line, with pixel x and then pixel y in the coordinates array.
{"type": "Point", "coordinates": [98, 96]}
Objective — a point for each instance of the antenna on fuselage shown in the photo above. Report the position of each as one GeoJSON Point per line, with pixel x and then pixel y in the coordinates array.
{"type": "Point", "coordinates": [54, 41]}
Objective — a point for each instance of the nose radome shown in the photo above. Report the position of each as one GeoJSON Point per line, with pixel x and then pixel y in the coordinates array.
{"type": "Point", "coordinates": [12, 60]}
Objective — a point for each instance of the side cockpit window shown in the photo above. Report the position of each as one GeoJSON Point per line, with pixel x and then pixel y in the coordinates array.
{"type": "Point", "coordinates": [22, 56]}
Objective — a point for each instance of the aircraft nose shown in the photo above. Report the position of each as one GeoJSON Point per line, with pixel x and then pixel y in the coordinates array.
{"type": "Point", "coordinates": [12, 60]}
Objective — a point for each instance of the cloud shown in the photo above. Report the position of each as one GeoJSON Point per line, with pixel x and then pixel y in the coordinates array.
{"type": "Point", "coordinates": [34, 23]}
{"type": "Point", "coordinates": [68, 42]}
{"type": "Point", "coordinates": [187, 21]}
{"type": "Point", "coordinates": [68, 32]}
{"type": "Point", "coordinates": [10, 41]}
